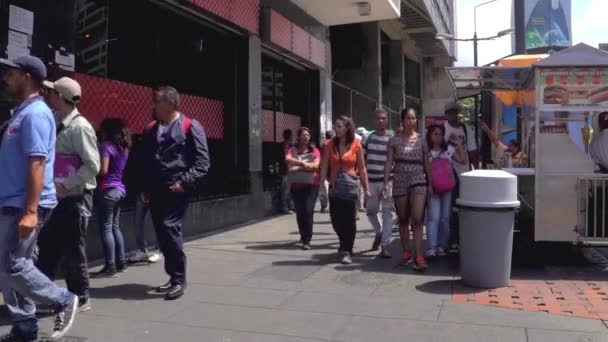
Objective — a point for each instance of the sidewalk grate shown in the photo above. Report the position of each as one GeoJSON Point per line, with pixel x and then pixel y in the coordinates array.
{"type": "Point", "coordinates": [587, 299]}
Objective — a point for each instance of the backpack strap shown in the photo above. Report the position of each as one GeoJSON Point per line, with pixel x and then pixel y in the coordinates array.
{"type": "Point", "coordinates": [152, 125]}
{"type": "Point", "coordinates": [186, 124]}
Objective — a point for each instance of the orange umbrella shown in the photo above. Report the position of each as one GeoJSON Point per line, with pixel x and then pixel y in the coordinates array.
{"type": "Point", "coordinates": [519, 97]}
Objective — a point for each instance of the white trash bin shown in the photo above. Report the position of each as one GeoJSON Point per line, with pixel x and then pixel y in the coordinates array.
{"type": "Point", "coordinates": [487, 204]}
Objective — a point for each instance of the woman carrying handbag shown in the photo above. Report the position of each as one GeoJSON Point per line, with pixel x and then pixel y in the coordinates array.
{"type": "Point", "coordinates": [344, 158]}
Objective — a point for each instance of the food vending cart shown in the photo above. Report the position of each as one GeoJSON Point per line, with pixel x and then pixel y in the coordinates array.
{"type": "Point", "coordinates": [560, 98]}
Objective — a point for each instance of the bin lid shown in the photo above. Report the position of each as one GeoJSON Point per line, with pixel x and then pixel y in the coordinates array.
{"type": "Point", "coordinates": [488, 189]}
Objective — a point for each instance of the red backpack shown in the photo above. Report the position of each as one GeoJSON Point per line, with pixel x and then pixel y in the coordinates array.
{"type": "Point", "coordinates": [186, 126]}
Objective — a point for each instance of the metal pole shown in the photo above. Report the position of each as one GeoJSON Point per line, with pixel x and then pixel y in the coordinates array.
{"type": "Point", "coordinates": [475, 48]}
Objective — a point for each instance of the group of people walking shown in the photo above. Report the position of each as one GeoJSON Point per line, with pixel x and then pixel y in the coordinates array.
{"type": "Point", "coordinates": [405, 172]}
{"type": "Point", "coordinates": [56, 172]}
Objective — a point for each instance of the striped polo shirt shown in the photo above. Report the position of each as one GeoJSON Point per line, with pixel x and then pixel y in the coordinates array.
{"type": "Point", "coordinates": [376, 150]}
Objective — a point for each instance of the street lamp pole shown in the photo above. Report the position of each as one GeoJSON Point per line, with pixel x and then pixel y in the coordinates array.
{"type": "Point", "coordinates": [475, 61]}
{"type": "Point", "coordinates": [475, 29]}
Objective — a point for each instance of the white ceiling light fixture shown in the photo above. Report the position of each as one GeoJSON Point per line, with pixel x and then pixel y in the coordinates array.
{"type": "Point", "coordinates": [364, 8]}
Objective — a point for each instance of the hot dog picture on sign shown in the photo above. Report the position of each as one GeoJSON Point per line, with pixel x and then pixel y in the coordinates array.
{"type": "Point", "coordinates": [580, 87]}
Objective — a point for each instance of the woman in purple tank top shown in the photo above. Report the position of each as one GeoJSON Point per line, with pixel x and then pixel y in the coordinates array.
{"type": "Point", "coordinates": [114, 152]}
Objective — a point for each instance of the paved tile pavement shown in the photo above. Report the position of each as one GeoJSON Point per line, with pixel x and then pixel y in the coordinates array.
{"type": "Point", "coordinates": [253, 284]}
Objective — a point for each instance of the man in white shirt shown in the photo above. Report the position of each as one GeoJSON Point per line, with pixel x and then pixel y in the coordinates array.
{"type": "Point", "coordinates": [599, 145]}
{"type": "Point", "coordinates": [454, 127]}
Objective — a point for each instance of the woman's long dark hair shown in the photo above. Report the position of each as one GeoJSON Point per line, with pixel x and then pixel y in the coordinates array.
{"type": "Point", "coordinates": [350, 131]}
{"type": "Point", "coordinates": [429, 139]}
{"type": "Point", "coordinates": [115, 130]}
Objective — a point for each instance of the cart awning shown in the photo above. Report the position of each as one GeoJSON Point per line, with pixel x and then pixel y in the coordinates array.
{"type": "Point", "coordinates": [509, 81]}
{"type": "Point", "coordinates": [489, 78]}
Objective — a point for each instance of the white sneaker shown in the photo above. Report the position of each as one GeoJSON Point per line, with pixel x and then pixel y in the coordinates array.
{"type": "Point", "coordinates": [139, 257]}
{"type": "Point", "coordinates": [431, 253]}
{"type": "Point", "coordinates": [155, 257]}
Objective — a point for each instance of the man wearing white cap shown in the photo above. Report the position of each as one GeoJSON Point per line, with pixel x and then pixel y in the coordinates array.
{"type": "Point", "coordinates": [76, 166]}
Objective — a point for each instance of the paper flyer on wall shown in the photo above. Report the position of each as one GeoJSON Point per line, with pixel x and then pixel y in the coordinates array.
{"type": "Point", "coordinates": [20, 19]}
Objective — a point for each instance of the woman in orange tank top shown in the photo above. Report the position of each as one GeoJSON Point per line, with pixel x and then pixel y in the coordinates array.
{"type": "Point", "coordinates": [346, 153]}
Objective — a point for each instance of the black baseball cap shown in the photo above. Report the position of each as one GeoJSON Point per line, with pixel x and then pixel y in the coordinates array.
{"type": "Point", "coordinates": [29, 64]}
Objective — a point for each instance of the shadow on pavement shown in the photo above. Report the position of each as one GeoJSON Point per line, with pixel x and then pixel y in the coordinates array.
{"type": "Point", "coordinates": [322, 222]}
{"type": "Point", "coordinates": [125, 292]}
{"type": "Point", "coordinates": [440, 287]}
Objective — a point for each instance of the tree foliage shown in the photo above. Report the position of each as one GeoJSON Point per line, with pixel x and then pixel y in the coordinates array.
{"type": "Point", "coordinates": [466, 108]}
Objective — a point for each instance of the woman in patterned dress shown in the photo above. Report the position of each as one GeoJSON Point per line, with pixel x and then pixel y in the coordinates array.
{"type": "Point", "coordinates": [408, 160]}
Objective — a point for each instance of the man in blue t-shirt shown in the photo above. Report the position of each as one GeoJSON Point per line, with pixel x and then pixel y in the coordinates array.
{"type": "Point", "coordinates": [27, 198]}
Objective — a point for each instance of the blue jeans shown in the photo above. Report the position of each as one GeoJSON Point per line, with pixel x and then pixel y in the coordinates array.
{"type": "Point", "coordinates": [22, 283]}
{"type": "Point", "coordinates": [438, 220]}
{"type": "Point", "coordinates": [305, 199]}
{"type": "Point", "coordinates": [108, 212]}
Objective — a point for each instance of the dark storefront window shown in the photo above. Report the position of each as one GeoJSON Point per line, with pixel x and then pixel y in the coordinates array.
{"type": "Point", "coordinates": [204, 64]}
{"type": "Point", "coordinates": [412, 78]}
{"type": "Point", "coordinates": [287, 96]}
{"type": "Point", "coordinates": [124, 49]}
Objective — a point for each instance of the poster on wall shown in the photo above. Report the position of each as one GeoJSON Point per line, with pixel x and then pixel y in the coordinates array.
{"type": "Point", "coordinates": [574, 88]}
{"type": "Point", "coordinates": [548, 23]}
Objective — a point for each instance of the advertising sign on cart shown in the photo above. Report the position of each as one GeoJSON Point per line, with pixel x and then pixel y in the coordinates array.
{"type": "Point", "coordinates": [581, 89]}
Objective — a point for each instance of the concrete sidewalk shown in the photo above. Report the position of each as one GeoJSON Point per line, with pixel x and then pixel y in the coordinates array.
{"type": "Point", "coordinates": [252, 284]}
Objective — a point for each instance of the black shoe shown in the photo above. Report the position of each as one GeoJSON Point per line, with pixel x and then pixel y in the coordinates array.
{"type": "Point", "coordinates": [164, 288]}
{"type": "Point", "coordinates": [377, 242]}
{"type": "Point", "coordinates": [121, 268]}
{"type": "Point", "coordinates": [174, 292]}
{"type": "Point", "coordinates": [105, 272]}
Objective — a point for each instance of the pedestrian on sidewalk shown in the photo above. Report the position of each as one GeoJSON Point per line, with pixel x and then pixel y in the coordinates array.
{"type": "Point", "coordinates": [408, 160]}
{"type": "Point", "coordinates": [343, 157]}
{"type": "Point", "coordinates": [323, 197]}
{"type": "Point", "coordinates": [114, 152]}
{"type": "Point", "coordinates": [376, 150]}
{"type": "Point", "coordinates": [303, 161]}
{"type": "Point", "coordinates": [27, 198]}
{"type": "Point", "coordinates": [133, 179]}
{"type": "Point", "coordinates": [176, 158]}
{"type": "Point", "coordinates": [442, 156]}
{"type": "Point", "coordinates": [76, 167]}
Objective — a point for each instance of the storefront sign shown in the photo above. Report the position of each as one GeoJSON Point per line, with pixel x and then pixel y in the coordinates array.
{"type": "Point", "coordinates": [434, 120]}
{"type": "Point", "coordinates": [575, 88]}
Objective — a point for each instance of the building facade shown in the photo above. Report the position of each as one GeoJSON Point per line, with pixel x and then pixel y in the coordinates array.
{"type": "Point", "coordinates": [247, 69]}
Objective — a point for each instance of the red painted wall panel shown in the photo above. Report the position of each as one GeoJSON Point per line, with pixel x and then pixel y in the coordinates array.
{"type": "Point", "coordinates": [103, 98]}
{"type": "Point", "coordinates": [268, 126]}
{"type": "Point", "coordinates": [287, 121]}
{"type": "Point", "coordinates": [317, 52]}
{"type": "Point", "coordinates": [291, 37]}
{"type": "Point", "coordinates": [244, 13]}
{"type": "Point", "coordinates": [300, 44]}
{"type": "Point", "coordinates": [281, 31]}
